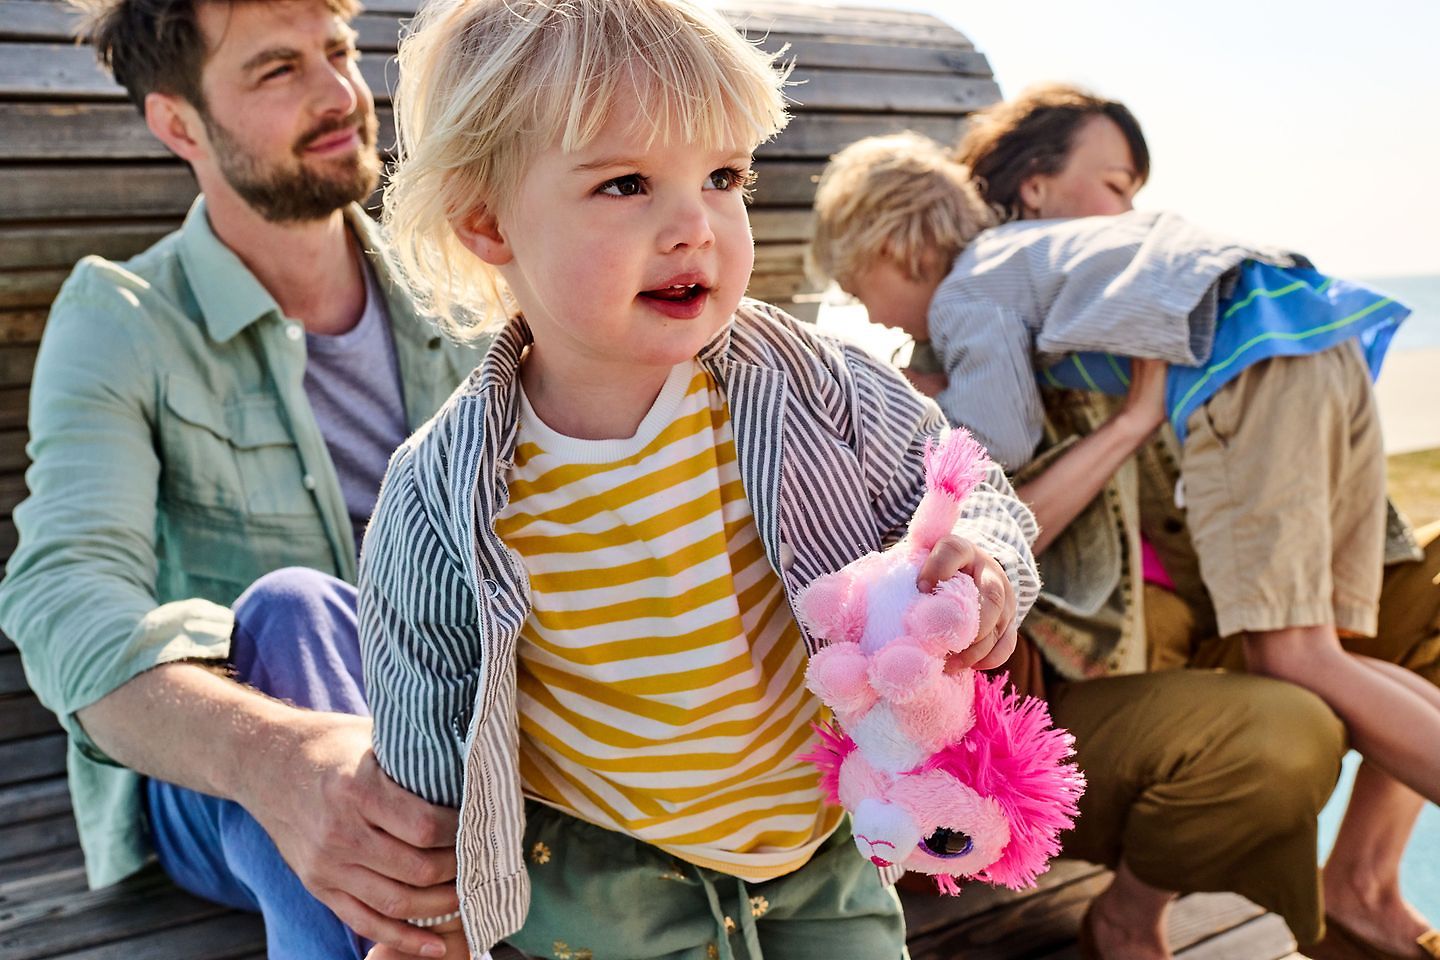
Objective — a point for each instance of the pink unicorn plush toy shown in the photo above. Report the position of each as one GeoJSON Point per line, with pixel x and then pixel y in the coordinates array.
{"type": "Point", "coordinates": [943, 773]}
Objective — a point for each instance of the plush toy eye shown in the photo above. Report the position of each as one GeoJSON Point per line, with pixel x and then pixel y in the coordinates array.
{"type": "Point", "coordinates": [947, 843]}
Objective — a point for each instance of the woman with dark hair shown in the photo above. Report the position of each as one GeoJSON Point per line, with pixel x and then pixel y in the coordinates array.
{"type": "Point", "coordinates": [1122, 570]}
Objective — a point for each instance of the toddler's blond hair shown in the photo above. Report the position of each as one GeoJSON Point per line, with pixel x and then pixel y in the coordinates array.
{"type": "Point", "coordinates": [486, 84]}
{"type": "Point", "coordinates": [900, 198]}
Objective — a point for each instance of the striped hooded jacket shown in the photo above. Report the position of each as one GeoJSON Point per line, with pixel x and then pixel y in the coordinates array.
{"type": "Point", "coordinates": [830, 444]}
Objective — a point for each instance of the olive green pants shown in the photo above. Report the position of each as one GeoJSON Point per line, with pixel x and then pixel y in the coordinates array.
{"type": "Point", "coordinates": [600, 895]}
{"type": "Point", "coordinates": [1208, 779]}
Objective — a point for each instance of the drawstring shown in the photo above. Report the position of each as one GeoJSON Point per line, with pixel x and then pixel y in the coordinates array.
{"type": "Point", "coordinates": [722, 928]}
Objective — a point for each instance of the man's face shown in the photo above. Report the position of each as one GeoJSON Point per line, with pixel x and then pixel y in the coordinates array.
{"type": "Point", "coordinates": [290, 122]}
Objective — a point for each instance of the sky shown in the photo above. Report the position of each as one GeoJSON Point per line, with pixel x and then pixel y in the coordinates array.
{"type": "Point", "coordinates": [1312, 125]}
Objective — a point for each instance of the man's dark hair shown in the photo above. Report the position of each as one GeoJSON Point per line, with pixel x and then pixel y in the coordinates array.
{"type": "Point", "coordinates": [1012, 141]}
{"type": "Point", "coordinates": [155, 46]}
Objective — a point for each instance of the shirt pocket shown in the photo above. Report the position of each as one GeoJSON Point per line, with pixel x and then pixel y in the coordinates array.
{"type": "Point", "coordinates": [230, 454]}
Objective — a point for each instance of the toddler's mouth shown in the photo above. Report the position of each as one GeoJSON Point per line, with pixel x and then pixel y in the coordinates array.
{"type": "Point", "coordinates": [675, 293]}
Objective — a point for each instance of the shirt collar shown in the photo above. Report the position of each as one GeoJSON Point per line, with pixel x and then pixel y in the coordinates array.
{"type": "Point", "coordinates": [230, 297]}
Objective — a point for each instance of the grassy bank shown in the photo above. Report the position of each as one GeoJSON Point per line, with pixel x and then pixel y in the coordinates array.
{"type": "Point", "coordinates": [1414, 480]}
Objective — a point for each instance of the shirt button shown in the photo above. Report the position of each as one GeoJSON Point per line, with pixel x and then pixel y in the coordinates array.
{"type": "Point", "coordinates": [294, 331]}
{"type": "Point", "coordinates": [309, 481]}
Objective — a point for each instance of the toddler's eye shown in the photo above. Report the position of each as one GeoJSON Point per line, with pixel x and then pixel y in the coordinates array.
{"type": "Point", "coordinates": [630, 185]}
{"type": "Point", "coordinates": [730, 178]}
{"type": "Point", "coordinates": [947, 843]}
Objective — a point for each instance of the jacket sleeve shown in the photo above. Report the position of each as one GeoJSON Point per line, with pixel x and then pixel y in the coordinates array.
{"type": "Point", "coordinates": [420, 637]}
{"type": "Point", "coordinates": [78, 597]}
{"type": "Point", "coordinates": [987, 356]}
{"type": "Point", "coordinates": [897, 422]}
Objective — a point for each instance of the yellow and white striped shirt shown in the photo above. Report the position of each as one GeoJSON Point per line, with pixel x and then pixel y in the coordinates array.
{"type": "Point", "coordinates": [661, 672]}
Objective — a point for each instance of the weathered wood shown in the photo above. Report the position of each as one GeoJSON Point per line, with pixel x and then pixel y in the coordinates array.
{"type": "Point", "coordinates": [927, 911]}
{"type": "Point", "coordinates": [89, 193]}
{"type": "Point", "coordinates": [871, 25]}
{"type": "Point", "coordinates": [229, 936]}
{"type": "Point", "coordinates": [145, 904]}
{"type": "Point", "coordinates": [114, 132]}
{"type": "Point", "coordinates": [1044, 921]}
{"type": "Point", "coordinates": [21, 715]}
{"type": "Point", "coordinates": [37, 836]}
{"type": "Point", "coordinates": [34, 800]}
{"type": "Point", "coordinates": [1200, 916]}
{"type": "Point", "coordinates": [60, 245]}
{"type": "Point", "coordinates": [818, 89]}
{"type": "Point", "coordinates": [50, 874]}
{"type": "Point", "coordinates": [31, 759]}
{"type": "Point", "coordinates": [775, 225]}
{"type": "Point", "coordinates": [18, 360]}
{"type": "Point", "coordinates": [28, 288]}
{"type": "Point", "coordinates": [21, 326]}
{"type": "Point", "coordinates": [12, 491]}
{"type": "Point", "coordinates": [854, 53]}
{"type": "Point", "coordinates": [12, 675]}
{"type": "Point", "coordinates": [1265, 938]}
{"type": "Point", "coordinates": [12, 450]}
{"type": "Point", "coordinates": [14, 408]}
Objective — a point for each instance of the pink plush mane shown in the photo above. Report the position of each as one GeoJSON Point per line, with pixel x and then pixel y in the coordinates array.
{"type": "Point", "coordinates": [1014, 756]}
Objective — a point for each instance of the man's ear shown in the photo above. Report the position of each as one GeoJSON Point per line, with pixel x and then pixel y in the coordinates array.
{"type": "Point", "coordinates": [1032, 193]}
{"type": "Point", "coordinates": [479, 231]}
{"type": "Point", "coordinates": [177, 124]}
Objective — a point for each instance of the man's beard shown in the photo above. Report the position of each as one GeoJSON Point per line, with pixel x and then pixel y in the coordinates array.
{"type": "Point", "coordinates": [287, 194]}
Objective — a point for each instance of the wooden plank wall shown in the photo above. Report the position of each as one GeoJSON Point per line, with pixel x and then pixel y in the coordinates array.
{"type": "Point", "coordinates": [80, 174]}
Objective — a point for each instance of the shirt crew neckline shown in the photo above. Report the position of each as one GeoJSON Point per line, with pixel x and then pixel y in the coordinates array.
{"type": "Point", "coordinates": [357, 336]}
{"type": "Point", "coordinates": [576, 450]}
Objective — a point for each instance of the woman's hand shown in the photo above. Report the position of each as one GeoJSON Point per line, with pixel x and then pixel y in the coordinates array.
{"type": "Point", "coordinates": [1144, 406]}
{"type": "Point", "coordinates": [995, 638]}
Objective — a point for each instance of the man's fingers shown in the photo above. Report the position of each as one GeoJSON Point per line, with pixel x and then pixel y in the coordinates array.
{"type": "Point", "coordinates": [397, 935]}
{"type": "Point", "coordinates": [403, 815]}
{"type": "Point", "coordinates": [405, 865]}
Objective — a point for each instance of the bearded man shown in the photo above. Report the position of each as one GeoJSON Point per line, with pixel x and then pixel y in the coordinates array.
{"type": "Point", "coordinates": [217, 408]}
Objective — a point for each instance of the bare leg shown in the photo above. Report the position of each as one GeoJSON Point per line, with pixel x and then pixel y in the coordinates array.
{"type": "Point", "coordinates": [1128, 919]}
{"type": "Point", "coordinates": [1362, 875]}
{"type": "Point", "coordinates": [1392, 725]}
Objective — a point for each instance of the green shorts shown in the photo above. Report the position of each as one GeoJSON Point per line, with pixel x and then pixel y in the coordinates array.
{"type": "Point", "coordinates": [600, 895]}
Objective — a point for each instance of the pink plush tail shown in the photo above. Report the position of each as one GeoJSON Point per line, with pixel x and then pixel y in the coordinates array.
{"type": "Point", "coordinates": [952, 470]}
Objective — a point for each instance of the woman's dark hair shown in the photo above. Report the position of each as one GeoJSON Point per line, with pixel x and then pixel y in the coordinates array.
{"type": "Point", "coordinates": [156, 45]}
{"type": "Point", "coordinates": [1014, 140]}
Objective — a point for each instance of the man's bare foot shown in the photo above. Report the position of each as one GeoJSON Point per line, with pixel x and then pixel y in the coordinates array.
{"type": "Point", "coordinates": [1127, 920]}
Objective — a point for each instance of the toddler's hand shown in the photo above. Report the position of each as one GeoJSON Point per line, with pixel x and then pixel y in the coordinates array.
{"type": "Point", "coordinates": [995, 639]}
{"type": "Point", "coordinates": [455, 946]}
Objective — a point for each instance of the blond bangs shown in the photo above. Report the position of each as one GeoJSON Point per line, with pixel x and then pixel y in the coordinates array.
{"type": "Point", "coordinates": [486, 84]}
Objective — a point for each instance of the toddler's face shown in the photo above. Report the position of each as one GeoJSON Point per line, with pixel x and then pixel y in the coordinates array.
{"type": "Point", "coordinates": [628, 255]}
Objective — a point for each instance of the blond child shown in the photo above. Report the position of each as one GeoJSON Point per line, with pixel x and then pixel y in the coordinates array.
{"type": "Point", "coordinates": [575, 593]}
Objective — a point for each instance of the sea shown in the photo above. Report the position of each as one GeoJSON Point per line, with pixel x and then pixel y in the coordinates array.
{"type": "Point", "coordinates": [1421, 330]}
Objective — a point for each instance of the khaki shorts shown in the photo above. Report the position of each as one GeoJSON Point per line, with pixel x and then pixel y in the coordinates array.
{"type": "Point", "coordinates": [1284, 487]}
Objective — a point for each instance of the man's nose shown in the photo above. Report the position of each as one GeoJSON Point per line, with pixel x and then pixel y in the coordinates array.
{"type": "Point", "coordinates": [337, 89]}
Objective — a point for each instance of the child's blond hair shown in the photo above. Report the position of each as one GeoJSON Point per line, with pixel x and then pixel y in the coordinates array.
{"type": "Point", "coordinates": [486, 84]}
{"type": "Point", "coordinates": [900, 198]}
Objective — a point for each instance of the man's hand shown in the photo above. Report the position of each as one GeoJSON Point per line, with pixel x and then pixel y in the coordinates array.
{"type": "Point", "coordinates": [1144, 405]}
{"type": "Point", "coordinates": [368, 849]}
{"type": "Point", "coordinates": [995, 639]}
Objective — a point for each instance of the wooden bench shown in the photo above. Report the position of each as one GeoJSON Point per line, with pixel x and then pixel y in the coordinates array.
{"type": "Point", "coordinates": [80, 174]}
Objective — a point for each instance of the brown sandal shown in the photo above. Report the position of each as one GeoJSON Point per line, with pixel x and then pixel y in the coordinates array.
{"type": "Point", "coordinates": [1342, 943]}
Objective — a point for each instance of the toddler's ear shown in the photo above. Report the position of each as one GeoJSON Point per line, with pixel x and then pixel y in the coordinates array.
{"type": "Point", "coordinates": [479, 231]}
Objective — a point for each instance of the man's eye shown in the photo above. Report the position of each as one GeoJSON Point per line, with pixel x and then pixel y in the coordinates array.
{"type": "Point", "coordinates": [346, 53]}
{"type": "Point", "coordinates": [631, 185]}
{"type": "Point", "coordinates": [277, 72]}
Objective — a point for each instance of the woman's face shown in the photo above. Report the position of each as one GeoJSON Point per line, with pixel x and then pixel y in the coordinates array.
{"type": "Point", "coordinates": [1097, 179]}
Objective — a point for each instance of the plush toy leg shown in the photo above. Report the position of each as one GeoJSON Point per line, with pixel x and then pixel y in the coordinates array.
{"type": "Point", "coordinates": [902, 671]}
{"type": "Point", "coordinates": [946, 620]}
{"type": "Point", "coordinates": [837, 675]}
{"type": "Point", "coordinates": [829, 609]}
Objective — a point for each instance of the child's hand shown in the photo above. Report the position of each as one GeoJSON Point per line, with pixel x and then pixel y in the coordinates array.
{"type": "Point", "coordinates": [930, 384]}
{"type": "Point", "coordinates": [995, 639]}
{"type": "Point", "coordinates": [451, 932]}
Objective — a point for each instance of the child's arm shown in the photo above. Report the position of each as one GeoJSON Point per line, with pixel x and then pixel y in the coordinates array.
{"type": "Point", "coordinates": [985, 350]}
{"type": "Point", "coordinates": [419, 639]}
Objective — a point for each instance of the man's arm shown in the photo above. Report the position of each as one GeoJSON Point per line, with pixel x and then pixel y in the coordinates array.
{"type": "Point", "coordinates": [123, 673]}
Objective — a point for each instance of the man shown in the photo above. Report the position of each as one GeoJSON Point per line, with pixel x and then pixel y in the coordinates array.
{"type": "Point", "coordinates": [218, 407]}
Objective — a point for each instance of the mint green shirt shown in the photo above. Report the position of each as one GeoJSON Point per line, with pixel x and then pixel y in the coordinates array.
{"type": "Point", "coordinates": [175, 461]}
